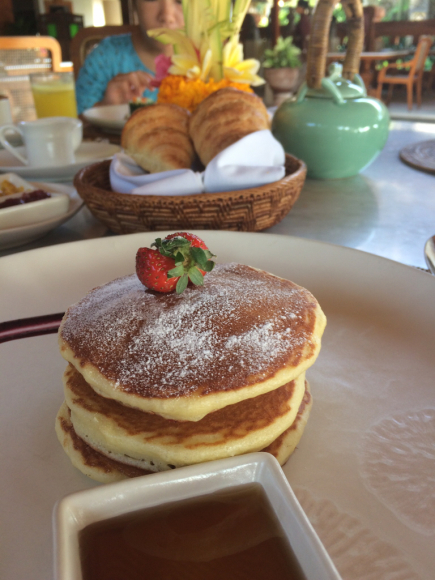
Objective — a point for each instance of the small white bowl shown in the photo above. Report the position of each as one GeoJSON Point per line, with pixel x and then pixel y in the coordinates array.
{"type": "Point", "coordinates": [75, 512]}
{"type": "Point", "coordinates": [34, 212]}
{"type": "Point", "coordinates": [16, 181]}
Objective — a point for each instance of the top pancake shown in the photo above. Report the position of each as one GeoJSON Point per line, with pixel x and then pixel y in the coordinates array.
{"type": "Point", "coordinates": [244, 333]}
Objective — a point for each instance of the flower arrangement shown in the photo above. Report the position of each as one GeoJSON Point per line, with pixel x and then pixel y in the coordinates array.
{"type": "Point", "coordinates": [207, 53]}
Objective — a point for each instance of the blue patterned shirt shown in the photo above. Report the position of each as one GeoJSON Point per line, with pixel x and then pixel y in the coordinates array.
{"type": "Point", "coordinates": [112, 56]}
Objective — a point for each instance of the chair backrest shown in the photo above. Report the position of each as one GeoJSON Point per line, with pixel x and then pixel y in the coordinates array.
{"type": "Point", "coordinates": [20, 56]}
{"type": "Point", "coordinates": [87, 38]}
{"type": "Point", "coordinates": [421, 52]}
{"type": "Point", "coordinates": [34, 42]}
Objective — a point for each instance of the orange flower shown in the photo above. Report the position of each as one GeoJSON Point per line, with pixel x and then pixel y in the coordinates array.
{"type": "Point", "coordinates": [188, 93]}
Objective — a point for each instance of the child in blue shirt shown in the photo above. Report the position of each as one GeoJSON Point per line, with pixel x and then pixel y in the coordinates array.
{"type": "Point", "coordinates": [121, 67]}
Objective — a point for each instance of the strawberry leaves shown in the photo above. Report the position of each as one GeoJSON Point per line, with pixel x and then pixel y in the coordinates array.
{"type": "Point", "coordinates": [190, 262]}
{"type": "Point", "coordinates": [188, 255]}
{"type": "Point", "coordinates": [203, 258]}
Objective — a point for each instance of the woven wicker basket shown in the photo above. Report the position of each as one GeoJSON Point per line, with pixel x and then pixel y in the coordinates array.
{"type": "Point", "coordinates": [250, 210]}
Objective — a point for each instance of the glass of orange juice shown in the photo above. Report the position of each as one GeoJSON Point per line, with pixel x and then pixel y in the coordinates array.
{"type": "Point", "coordinates": [54, 94]}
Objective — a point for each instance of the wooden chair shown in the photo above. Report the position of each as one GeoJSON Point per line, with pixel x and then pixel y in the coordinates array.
{"type": "Point", "coordinates": [431, 78]}
{"type": "Point", "coordinates": [21, 56]}
{"type": "Point", "coordinates": [414, 76]}
{"type": "Point", "coordinates": [35, 42]}
{"type": "Point", "coordinates": [87, 38]}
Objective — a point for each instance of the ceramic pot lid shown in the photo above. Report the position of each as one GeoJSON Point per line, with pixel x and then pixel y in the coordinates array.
{"type": "Point", "coordinates": [346, 88]}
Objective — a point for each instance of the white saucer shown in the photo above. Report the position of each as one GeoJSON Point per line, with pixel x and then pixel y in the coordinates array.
{"type": "Point", "coordinates": [12, 237]}
{"type": "Point", "coordinates": [86, 154]}
{"type": "Point", "coordinates": [111, 118]}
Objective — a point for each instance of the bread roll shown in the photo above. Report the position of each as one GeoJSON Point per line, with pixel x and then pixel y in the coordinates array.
{"type": "Point", "coordinates": [157, 138]}
{"type": "Point", "coordinates": [223, 118]}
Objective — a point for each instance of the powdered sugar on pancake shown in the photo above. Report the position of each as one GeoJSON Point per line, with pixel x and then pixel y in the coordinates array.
{"type": "Point", "coordinates": [239, 328]}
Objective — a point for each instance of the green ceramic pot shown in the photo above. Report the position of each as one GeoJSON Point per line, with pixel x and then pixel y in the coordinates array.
{"type": "Point", "coordinates": [337, 130]}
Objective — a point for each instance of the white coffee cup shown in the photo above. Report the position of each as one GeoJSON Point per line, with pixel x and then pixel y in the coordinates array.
{"type": "Point", "coordinates": [49, 141]}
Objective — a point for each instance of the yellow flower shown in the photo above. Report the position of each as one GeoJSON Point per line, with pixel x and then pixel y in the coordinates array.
{"type": "Point", "coordinates": [235, 68]}
{"type": "Point", "coordinates": [245, 72]}
{"type": "Point", "coordinates": [190, 67]}
{"type": "Point", "coordinates": [184, 65]}
{"type": "Point", "coordinates": [233, 52]}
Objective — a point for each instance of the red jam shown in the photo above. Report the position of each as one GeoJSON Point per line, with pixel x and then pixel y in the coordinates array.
{"type": "Point", "coordinates": [25, 198]}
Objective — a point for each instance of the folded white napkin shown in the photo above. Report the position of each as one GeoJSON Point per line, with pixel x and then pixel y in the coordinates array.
{"type": "Point", "coordinates": [255, 160]}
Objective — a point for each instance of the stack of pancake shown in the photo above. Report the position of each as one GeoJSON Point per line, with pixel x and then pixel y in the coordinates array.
{"type": "Point", "coordinates": [159, 381]}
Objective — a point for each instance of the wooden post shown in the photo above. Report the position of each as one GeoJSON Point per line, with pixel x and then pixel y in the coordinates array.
{"type": "Point", "coordinates": [275, 22]}
{"type": "Point", "coordinates": [127, 12]}
{"type": "Point", "coordinates": [6, 12]}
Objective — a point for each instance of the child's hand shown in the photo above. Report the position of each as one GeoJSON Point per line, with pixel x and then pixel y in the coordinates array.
{"type": "Point", "coordinates": [126, 87]}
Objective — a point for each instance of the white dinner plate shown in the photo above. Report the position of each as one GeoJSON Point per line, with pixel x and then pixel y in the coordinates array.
{"type": "Point", "coordinates": [111, 118]}
{"type": "Point", "coordinates": [364, 470]}
{"type": "Point", "coordinates": [87, 153]}
{"type": "Point", "coordinates": [13, 237]}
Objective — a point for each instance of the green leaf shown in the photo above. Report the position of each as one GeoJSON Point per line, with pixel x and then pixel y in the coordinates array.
{"type": "Point", "coordinates": [240, 8]}
{"type": "Point", "coordinates": [208, 266]}
{"type": "Point", "coordinates": [216, 71]}
{"type": "Point", "coordinates": [175, 243]}
{"type": "Point", "coordinates": [196, 277]}
{"type": "Point", "coordinates": [209, 254]}
{"type": "Point", "coordinates": [179, 258]}
{"type": "Point", "coordinates": [199, 256]}
{"type": "Point", "coordinates": [165, 252]}
{"type": "Point", "coordinates": [283, 54]}
{"type": "Point", "coordinates": [175, 272]}
{"type": "Point", "coordinates": [182, 284]}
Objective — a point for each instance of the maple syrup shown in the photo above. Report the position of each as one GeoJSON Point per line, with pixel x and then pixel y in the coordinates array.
{"type": "Point", "coordinates": [230, 534]}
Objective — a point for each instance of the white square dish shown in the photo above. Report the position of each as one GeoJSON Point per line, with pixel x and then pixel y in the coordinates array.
{"type": "Point", "coordinates": [77, 511]}
{"type": "Point", "coordinates": [14, 180]}
{"type": "Point", "coordinates": [25, 214]}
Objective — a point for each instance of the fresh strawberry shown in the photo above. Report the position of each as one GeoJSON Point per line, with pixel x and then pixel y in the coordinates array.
{"type": "Point", "coordinates": [152, 270]}
{"type": "Point", "coordinates": [178, 259]}
{"type": "Point", "coordinates": [194, 240]}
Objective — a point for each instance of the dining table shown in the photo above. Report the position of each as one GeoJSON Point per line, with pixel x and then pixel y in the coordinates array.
{"type": "Point", "coordinates": [374, 55]}
{"type": "Point", "coordinates": [369, 60]}
{"type": "Point", "coordinates": [363, 471]}
{"type": "Point", "coordinates": [388, 209]}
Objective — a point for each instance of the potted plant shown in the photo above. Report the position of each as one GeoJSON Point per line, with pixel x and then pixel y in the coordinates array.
{"type": "Point", "coordinates": [282, 68]}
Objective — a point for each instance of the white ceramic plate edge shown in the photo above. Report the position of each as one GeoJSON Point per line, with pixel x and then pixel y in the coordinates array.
{"type": "Point", "coordinates": [111, 117]}
{"type": "Point", "coordinates": [87, 153]}
{"type": "Point", "coordinates": [13, 237]}
{"type": "Point", "coordinates": [367, 298]}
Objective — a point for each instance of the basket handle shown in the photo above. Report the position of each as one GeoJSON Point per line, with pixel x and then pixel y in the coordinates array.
{"type": "Point", "coordinates": [318, 44]}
